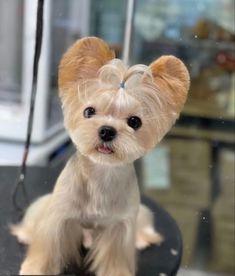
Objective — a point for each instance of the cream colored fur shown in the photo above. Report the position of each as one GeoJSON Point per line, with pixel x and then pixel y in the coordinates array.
{"type": "Point", "coordinates": [96, 198]}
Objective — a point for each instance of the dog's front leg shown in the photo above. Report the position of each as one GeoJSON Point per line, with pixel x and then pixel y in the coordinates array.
{"type": "Point", "coordinates": [113, 251]}
{"type": "Point", "coordinates": [39, 261]}
{"type": "Point", "coordinates": [55, 243]}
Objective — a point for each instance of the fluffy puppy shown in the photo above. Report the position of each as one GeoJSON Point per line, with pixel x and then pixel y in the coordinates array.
{"type": "Point", "coordinates": [114, 115]}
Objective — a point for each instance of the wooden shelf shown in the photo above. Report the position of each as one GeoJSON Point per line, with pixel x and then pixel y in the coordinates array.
{"type": "Point", "coordinates": [197, 133]}
{"type": "Point", "coordinates": [195, 111]}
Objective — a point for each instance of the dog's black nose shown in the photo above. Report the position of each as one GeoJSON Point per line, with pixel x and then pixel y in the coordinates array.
{"type": "Point", "coordinates": [107, 133]}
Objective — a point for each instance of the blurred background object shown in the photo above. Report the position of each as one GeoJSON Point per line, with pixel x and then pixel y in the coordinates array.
{"type": "Point", "coordinates": [64, 22]}
{"type": "Point", "coordinates": [191, 173]}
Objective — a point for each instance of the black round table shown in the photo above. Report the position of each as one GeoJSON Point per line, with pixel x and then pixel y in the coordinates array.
{"type": "Point", "coordinates": [156, 260]}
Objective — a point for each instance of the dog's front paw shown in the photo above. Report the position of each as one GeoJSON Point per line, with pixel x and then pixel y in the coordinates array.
{"type": "Point", "coordinates": [87, 240]}
{"type": "Point", "coordinates": [34, 268]}
{"type": "Point", "coordinates": [28, 268]}
{"type": "Point", "coordinates": [124, 273]}
{"type": "Point", "coordinates": [146, 237]}
{"type": "Point", "coordinates": [119, 272]}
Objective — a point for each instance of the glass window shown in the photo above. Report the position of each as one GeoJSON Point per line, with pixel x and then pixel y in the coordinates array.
{"type": "Point", "coordinates": [69, 22]}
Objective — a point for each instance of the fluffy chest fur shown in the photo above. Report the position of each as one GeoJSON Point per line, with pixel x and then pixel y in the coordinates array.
{"type": "Point", "coordinates": [98, 194]}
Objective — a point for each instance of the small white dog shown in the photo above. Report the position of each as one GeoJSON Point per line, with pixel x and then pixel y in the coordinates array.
{"type": "Point", "coordinates": [114, 115]}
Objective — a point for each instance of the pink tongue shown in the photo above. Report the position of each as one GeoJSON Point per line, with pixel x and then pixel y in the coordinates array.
{"type": "Point", "coordinates": [104, 150]}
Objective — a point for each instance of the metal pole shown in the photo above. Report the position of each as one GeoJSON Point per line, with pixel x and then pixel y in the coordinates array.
{"type": "Point", "coordinates": [128, 30]}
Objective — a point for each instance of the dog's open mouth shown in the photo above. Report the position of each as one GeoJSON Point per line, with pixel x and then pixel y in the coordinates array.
{"type": "Point", "coordinates": [104, 149]}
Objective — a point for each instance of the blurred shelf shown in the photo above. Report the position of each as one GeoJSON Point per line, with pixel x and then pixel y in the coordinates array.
{"type": "Point", "coordinates": [197, 133]}
{"type": "Point", "coordinates": [195, 111]}
{"type": "Point", "coordinates": [198, 43]}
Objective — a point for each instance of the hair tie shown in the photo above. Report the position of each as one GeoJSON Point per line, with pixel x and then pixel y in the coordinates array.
{"type": "Point", "coordinates": [122, 84]}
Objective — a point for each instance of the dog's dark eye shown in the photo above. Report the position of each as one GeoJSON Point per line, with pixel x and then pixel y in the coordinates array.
{"type": "Point", "coordinates": [134, 122]}
{"type": "Point", "coordinates": [89, 112]}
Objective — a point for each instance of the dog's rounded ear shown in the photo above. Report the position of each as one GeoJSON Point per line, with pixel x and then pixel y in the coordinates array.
{"type": "Point", "coordinates": [172, 78]}
{"type": "Point", "coordinates": [82, 61]}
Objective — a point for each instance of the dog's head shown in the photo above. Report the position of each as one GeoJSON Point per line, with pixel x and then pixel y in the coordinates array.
{"type": "Point", "coordinates": [115, 114]}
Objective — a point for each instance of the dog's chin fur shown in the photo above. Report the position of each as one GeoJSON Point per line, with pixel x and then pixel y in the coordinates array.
{"type": "Point", "coordinates": [110, 160]}
{"type": "Point", "coordinates": [96, 197]}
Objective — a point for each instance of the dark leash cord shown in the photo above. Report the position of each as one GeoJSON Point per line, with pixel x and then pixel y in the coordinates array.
{"type": "Point", "coordinates": [20, 181]}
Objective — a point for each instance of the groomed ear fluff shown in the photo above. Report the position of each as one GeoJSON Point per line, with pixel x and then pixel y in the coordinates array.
{"type": "Point", "coordinates": [82, 61]}
{"type": "Point", "coordinates": [171, 78]}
